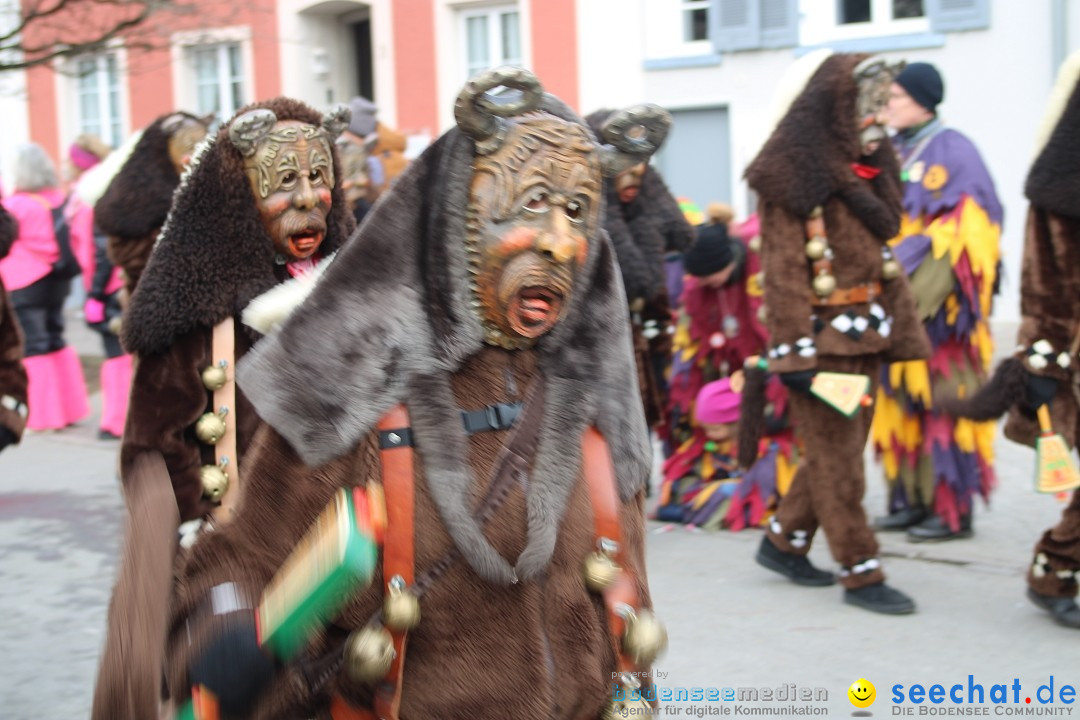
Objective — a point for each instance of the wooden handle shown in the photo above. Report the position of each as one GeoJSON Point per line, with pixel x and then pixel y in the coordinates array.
{"type": "Point", "coordinates": [1043, 414]}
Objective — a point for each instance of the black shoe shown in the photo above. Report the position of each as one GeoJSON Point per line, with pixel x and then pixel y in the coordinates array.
{"type": "Point", "coordinates": [935, 529]}
{"type": "Point", "coordinates": [1064, 610]}
{"type": "Point", "coordinates": [104, 434]}
{"type": "Point", "coordinates": [900, 520]}
{"type": "Point", "coordinates": [880, 598]}
{"type": "Point", "coordinates": [794, 567]}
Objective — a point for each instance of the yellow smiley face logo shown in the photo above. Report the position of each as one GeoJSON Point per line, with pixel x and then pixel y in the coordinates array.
{"type": "Point", "coordinates": [862, 693]}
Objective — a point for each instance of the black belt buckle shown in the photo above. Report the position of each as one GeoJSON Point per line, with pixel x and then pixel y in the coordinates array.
{"type": "Point", "coordinates": [500, 416]}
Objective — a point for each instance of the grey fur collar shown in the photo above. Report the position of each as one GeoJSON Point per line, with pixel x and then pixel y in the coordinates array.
{"type": "Point", "coordinates": [390, 322]}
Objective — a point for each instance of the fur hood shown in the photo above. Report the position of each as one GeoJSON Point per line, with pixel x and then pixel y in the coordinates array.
{"type": "Point", "coordinates": [808, 158]}
{"type": "Point", "coordinates": [213, 255]}
{"type": "Point", "coordinates": [643, 230]}
{"type": "Point", "coordinates": [391, 320]}
{"type": "Point", "coordinates": [1053, 183]}
{"type": "Point", "coordinates": [139, 196]}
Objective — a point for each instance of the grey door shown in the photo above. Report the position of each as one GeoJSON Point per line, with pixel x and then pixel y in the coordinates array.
{"type": "Point", "coordinates": [696, 158]}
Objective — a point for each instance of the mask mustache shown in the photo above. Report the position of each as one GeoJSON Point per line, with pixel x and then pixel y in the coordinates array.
{"type": "Point", "coordinates": [312, 223]}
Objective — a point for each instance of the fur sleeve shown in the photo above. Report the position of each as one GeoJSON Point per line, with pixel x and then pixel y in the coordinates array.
{"type": "Point", "coordinates": [12, 373]}
{"type": "Point", "coordinates": [787, 286]}
{"type": "Point", "coordinates": [167, 397]}
{"type": "Point", "coordinates": [1050, 283]}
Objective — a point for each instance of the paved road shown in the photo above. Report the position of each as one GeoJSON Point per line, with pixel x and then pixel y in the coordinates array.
{"type": "Point", "coordinates": [731, 623]}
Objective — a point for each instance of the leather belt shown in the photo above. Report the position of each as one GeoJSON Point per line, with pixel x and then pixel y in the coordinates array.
{"type": "Point", "coordinates": [860, 294]}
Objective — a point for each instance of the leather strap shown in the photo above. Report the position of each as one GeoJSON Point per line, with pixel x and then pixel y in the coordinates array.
{"type": "Point", "coordinates": [223, 348]}
{"type": "Point", "coordinates": [398, 550]}
{"type": "Point", "coordinates": [341, 710]}
{"type": "Point", "coordinates": [600, 480]}
{"type": "Point", "coordinates": [860, 294]}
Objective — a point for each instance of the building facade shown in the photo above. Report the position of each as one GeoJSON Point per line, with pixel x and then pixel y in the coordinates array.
{"type": "Point", "coordinates": [713, 63]}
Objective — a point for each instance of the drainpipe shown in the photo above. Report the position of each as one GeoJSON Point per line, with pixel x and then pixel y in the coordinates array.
{"type": "Point", "coordinates": [1058, 33]}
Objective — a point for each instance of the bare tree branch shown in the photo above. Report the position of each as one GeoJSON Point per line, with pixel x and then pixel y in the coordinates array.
{"type": "Point", "coordinates": [39, 32]}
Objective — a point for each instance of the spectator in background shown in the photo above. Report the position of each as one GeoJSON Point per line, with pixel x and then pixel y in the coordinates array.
{"type": "Point", "coordinates": [102, 280]}
{"type": "Point", "coordinates": [38, 273]}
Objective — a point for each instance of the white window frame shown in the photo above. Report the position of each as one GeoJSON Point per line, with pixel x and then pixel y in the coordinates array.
{"type": "Point", "coordinates": [493, 15]}
{"type": "Point", "coordinates": [185, 81]}
{"type": "Point", "coordinates": [665, 29]}
{"type": "Point", "coordinates": [66, 83]}
{"type": "Point", "coordinates": [687, 7]}
{"type": "Point", "coordinates": [821, 22]}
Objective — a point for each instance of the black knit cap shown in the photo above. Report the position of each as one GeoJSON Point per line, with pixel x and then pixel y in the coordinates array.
{"type": "Point", "coordinates": [710, 253]}
{"type": "Point", "coordinates": [923, 83]}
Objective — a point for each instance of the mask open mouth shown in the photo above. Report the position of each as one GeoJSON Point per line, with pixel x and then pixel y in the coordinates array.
{"type": "Point", "coordinates": [535, 310]}
{"type": "Point", "coordinates": [304, 244]}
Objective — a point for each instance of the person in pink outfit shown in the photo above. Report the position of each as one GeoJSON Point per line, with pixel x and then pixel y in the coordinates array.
{"type": "Point", "coordinates": [37, 273]}
{"type": "Point", "coordinates": [102, 281]}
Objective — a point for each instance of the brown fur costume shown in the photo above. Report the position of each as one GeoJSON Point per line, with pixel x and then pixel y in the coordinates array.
{"type": "Point", "coordinates": [12, 373]}
{"type": "Point", "coordinates": [213, 258]}
{"type": "Point", "coordinates": [1049, 298]}
{"type": "Point", "coordinates": [134, 207]}
{"type": "Point", "coordinates": [642, 231]}
{"type": "Point", "coordinates": [510, 628]}
{"type": "Point", "coordinates": [805, 164]}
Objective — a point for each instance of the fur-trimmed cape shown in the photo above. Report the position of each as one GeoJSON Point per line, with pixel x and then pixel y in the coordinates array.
{"type": "Point", "coordinates": [1053, 184]}
{"type": "Point", "coordinates": [643, 230]}
{"type": "Point", "coordinates": [391, 322]}
{"type": "Point", "coordinates": [214, 256]}
{"type": "Point", "coordinates": [808, 157]}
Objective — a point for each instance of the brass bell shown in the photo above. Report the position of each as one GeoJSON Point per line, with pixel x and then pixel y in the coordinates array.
{"type": "Point", "coordinates": [825, 284]}
{"type": "Point", "coordinates": [600, 571]}
{"type": "Point", "coordinates": [755, 244]}
{"type": "Point", "coordinates": [401, 607]}
{"type": "Point", "coordinates": [215, 483]}
{"type": "Point", "coordinates": [368, 654]}
{"type": "Point", "coordinates": [815, 247]}
{"type": "Point", "coordinates": [210, 428]}
{"type": "Point", "coordinates": [214, 377]}
{"type": "Point", "coordinates": [644, 637]}
{"type": "Point", "coordinates": [890, 269]}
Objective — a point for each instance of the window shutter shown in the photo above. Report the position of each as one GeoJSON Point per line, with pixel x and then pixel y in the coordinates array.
{"type": "Point", "coordinates": [779, 23]}
{"type": "Point", "coordinates": [954, 15]}
{"type": "Point", "coordinates": [736, 25]}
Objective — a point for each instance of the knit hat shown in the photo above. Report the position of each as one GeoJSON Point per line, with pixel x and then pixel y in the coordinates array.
{"type": "Point", "coordinates": [923, 83]}
{"type": "Point", "coordinates": [710, 253]}
{"type": "Point", "coordinates": [717, 403]}
{"type": "Point", "coordinates": [363, 116]}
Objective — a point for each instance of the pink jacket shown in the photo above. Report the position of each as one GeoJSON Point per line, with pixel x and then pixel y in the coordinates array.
{"type": "Point", "coordinates": [34, 250]}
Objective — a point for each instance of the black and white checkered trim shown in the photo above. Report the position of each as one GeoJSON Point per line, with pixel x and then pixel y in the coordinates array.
{"type": "Point", "coordinates": [1041, 355]}
{"type": "Point", "coordinates": [803, 347]}
{"type": "Point", "coordinates": [1040, 568]}
{"type": "Point", "coordinates": [855, 325]}
{"type": "Point", "coordinates": [864, 567]}
{"type": "Point", "coordinates": [797, 538]}
{"type": "Point", "coordinates": [10, 403]}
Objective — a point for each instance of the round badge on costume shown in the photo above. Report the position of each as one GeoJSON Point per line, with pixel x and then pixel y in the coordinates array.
{"type": "Point", "coordinates": [916, 171]}
{"type": "Point", "coordinates": [936, 177]}
{"type": "Point", "coordinates": [717, 340]}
